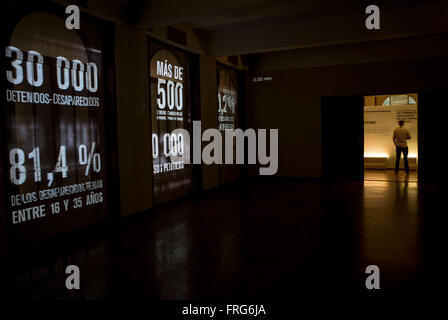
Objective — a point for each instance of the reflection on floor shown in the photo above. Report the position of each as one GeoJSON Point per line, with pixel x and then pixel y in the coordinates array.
{"type": "Point", "coordinates": [261, 239]}
{"type": "Point", "coordinates": [389, 175]}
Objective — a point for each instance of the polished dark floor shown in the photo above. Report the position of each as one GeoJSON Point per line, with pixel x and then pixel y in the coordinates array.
{"type": "Point", "coordinates": [261, 239]}
{"type": "Point", "coordinates": [390, 175]}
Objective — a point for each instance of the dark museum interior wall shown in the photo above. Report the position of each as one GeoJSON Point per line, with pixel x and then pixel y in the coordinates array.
{"type": "Point", "coordinates": [291, 102]}
{"type": "Point", "coordinates": [209, 113]}
{"type": "Point", "coordinates": [133, 120]}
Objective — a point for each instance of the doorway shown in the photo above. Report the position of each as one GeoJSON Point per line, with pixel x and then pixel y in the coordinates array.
{"type": "Point", "coordinates": [381, 116]}
{"type": "Point", "coordinates": [343, 137]}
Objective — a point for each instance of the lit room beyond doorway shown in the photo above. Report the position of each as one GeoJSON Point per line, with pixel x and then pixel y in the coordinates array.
{"type": "Point", "coordinates": [383, 115]}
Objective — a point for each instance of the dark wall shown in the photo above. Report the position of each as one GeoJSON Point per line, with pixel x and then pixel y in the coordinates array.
{"type": "Point", "coordinates": [133, 121]}
{"type": "Point", "coordinates": [291, 101]}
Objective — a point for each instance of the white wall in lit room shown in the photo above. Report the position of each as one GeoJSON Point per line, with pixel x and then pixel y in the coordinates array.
{"type": "Point", "coordinates": [381, 114]}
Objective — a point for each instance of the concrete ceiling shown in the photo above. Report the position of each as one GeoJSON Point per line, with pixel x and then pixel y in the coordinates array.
{"type": "Point", "coordinates": [235, 27]}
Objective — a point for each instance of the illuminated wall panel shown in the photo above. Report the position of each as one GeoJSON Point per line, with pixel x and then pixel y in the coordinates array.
{"type": "Point", "coordinates": [228, 115]}
{"type": "Point", "coordinates": [170, 115]}
{"type": "Point", "coordinates": [53, 119]}
{"type": "Point", "coordinates": [227, 98]}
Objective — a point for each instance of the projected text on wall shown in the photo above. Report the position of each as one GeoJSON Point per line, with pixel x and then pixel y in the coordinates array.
{"type": "Point", "coordinates": [227, 98]}
{"type": "Point", "coordinates": [54, 127]}
{"type": "Point", "coordinates": [169, 82]}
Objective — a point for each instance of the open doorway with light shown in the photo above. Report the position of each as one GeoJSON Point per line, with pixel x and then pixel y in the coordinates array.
{"type": "Point", "coordinates": [382, 114]}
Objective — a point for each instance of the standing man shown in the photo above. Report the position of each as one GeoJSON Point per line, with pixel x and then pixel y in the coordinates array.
{"type": "Point", "coordinates": [400, 136]}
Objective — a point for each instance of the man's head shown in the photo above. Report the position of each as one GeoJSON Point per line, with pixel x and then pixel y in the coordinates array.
{"type": "Point", "coordinates": [401, 123]}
